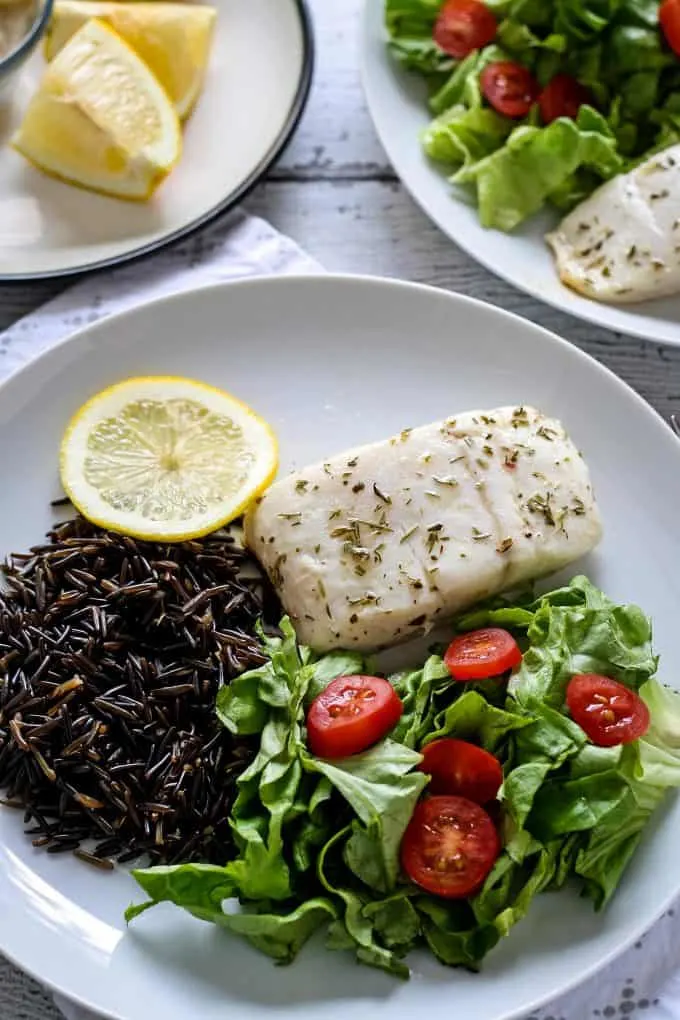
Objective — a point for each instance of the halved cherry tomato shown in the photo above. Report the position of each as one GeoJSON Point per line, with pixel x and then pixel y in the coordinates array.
{"type": "Point", "coordinates": [510, 88]}
{"type": "Point", "coordinates": [481, 654]}
{"type": "Point", "coordinates": [563, 96]}
{"type": "Point", "coordinates": [457, 767]}
{"type": "Point", "coordinates": [351, 714]}
{"type": "Point", "coordinates": [669, 17]}
{"type": "Point", "coordinates": [449, 847]}
{"type": "Point", "coordinates": [608, 712]}
{"type": "Point", "coordinates": [464, 26]}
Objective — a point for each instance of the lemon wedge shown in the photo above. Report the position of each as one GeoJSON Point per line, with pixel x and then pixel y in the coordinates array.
{"type": "Point", "coordinates": [165, 459]}
{"type": "Point", "coordinates": [174, 39]}
{"type": "Point", "coordinates": [101, 119]}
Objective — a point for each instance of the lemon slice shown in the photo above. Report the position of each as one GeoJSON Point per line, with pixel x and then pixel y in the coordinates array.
{"type": "Point", "coordinates": [174, 39]}
{"type": "Point", "coordinates": [101, 119]}
{"type": "Point", "coordinates": [165, 459]}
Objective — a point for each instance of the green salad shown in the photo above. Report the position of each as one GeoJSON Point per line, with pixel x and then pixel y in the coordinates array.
{"type": "Point", "coordinates": [538, 102]}
{"type": "Point", "coordinates": [328, 843]}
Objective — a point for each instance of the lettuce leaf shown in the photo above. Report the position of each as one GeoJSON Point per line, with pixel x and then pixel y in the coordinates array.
{"type": "Point", "coordinates": [453, 934]}
{"type": "Point", "coordinates": [462, 136]}
{"type": "Point", "coordinates": [471, 717]}
{"type": "Point", "coordinates": [462, 86]}
{"type": "Point", "coordinates": [609, 847]}
{"type": "Point", "coordinates": [409, 24]}
{"type": "Point", "coordinates": [382, 789]}
{"type": "Point", "coordinates": [578, 630]}
{"type": "Point", "coordinates": [515, 181]}
{"type": "Point", "coordinates": [358, 929]}
{"type": "Point", "coordinates": [417, 690]}
{"type": "Point", "coordinates": [659, 749]}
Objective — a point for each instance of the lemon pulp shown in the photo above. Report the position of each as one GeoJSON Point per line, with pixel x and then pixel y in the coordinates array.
{"type": "Point", "coordinates": [173, 39]}
{"type": "Point", "coordinates": [100, 118]}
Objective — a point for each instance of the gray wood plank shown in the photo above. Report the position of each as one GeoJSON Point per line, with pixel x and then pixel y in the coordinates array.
{"type": "Point", "coordinates": [335, 138]}
{"type": "Point", "coordinates": [18, 299]}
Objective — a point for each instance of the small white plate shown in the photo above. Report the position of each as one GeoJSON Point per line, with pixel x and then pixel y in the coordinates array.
{"type": "Point", "coordinates": [331, 362]}
{"type": "Point", "coordinates": [256, 88]}
{"type": "Point", "coordinates": [398, 104]}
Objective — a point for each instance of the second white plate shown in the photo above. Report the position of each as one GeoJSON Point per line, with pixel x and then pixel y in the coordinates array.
{"type": "Point", "coordinates": [397, 102]}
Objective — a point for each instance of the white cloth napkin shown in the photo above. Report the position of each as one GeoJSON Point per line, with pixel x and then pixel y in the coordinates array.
{"type": "Point", "coordinates": [644, 983]}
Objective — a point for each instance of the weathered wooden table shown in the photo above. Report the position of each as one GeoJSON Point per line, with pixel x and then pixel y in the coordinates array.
{"type": "Point", "coordinates": [335, 193]}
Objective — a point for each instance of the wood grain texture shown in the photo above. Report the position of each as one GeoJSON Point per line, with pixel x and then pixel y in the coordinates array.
{"type": "Point", "coordinates": [335, 138]}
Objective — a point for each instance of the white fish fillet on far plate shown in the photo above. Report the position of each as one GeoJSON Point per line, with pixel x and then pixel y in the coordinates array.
{"type": "Point", "coordinates": [380, 543]}
{"type": "Point", "coordinates": [622, 244]}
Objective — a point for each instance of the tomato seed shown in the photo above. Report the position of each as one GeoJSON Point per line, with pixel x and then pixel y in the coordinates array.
{"type": "Point", "coordinates": [335, 711]}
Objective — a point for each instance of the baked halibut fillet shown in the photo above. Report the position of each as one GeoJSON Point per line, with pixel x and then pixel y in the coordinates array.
{"type": "Point", "coordinates": [380, 543]}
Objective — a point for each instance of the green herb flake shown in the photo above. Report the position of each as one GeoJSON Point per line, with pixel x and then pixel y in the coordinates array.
{"type": "Point", "coordinates": [381, 495]}
{"type": "Point", "coordinates": [368, 599]}
{"type": "Point", "coordinates": [539, 504]}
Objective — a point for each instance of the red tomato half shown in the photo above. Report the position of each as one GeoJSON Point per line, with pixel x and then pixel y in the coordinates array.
{"type": "Point", "coordinates": [464, 26]}
{"type": "Point", "coordinates": [351, 714]}
{"type": "Point", "coordinates": [669, 17]}
{"type": "Point", "coordinates": [449, 847]}
{"type": "Point", "coordinates": [481, 654]}
{"type": "Point", "coordinates": [463, 769]}
{"type": "Point", "coordinates": [510, 88]}
{"type": "Point", "coordinates": [608, 712]}
{"type": "Point", "coordinates": [563, 96]}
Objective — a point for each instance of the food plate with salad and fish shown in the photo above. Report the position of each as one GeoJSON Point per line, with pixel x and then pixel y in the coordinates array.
{"type": "Point", "coordinates": [326, 649]}
{"type": "Point", "coordinates": [543, 139]}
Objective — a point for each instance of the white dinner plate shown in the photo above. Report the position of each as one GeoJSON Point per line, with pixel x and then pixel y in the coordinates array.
{"type": "Point", "coordinates": [255, 91]}
{"type": "Point", "coordinates": [331, 362]}
{"type": "Point", "coordinates": [397, 102]}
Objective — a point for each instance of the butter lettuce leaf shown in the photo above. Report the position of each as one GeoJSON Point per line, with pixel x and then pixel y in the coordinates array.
{"type": "Point", "coordinates": [515, 181]}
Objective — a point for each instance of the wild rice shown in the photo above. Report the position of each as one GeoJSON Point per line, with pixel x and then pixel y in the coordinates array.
{"type": "Point", "coordinates": [111, 655]}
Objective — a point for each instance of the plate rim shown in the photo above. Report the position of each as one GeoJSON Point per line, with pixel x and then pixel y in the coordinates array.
{"type": "Point", "coordinates": [372, 280]}
{"type": "Point", "coordinates": [638, 928]}
{"type": "Point", "coordinates": [590, 311]}
{"type": "Point", "coordinates": [233, 199]}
